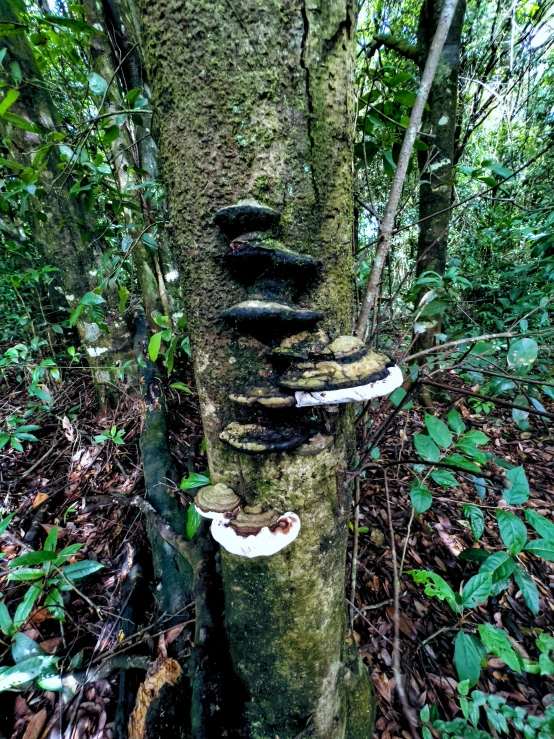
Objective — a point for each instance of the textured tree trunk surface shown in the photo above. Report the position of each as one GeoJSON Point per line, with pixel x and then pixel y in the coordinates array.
{"type": "Point", "coordinates": [437, 165]}
{"type": "Point", "coordinates": [255, 100]}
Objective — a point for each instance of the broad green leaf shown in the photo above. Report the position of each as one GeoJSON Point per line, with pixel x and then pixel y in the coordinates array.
{"type": "Point", "coordinates": [23, 610]}
{"type": "Point", "coordinates": [528, 589]}
{"type": "Point", "coordinates": [97, 84]}
{"type": "Point", "coordinates": [469, 653]}
{"type": "Point", "coordinates": [456, 460]}
{"type": "Point", "coordinates": [497, 642]}
{"type": "Point", "coordinates": [124, 295]}
{"type": "Point", "coordinates": [193, 520]}
{"type": "Point", "coordinates": [181, 386]}
{"type": "Point", "coordinates": [545, 643]}
{"type": "Point", "coordinates": [5, 522]}
{"type": "Point", "coordinates": [194, 480]}
{"type": "Point", "coordinates": [426, 448]}
{"type": "Point", "coordinates": [421, 497]}
{"type": "Point", "coordinates": [22, 123]}
{"type": "Point", "coordinates": [405, 97]}
{"type": "Point", "coordinates": [51, 540]}
{"type": "Point", "coordinates": [9, 99]}
{"type": "Point", "coordinates": [22, 574]}
{"type": "Point", "coordinates": [476, 520]}
{"type": "Point", "coordinates": [54, 604]}
{"type": "Point", "coordinates": [438, 431]}
{"type": "Point", "coordinates": [436, 587]}
{"type": "Point", "coordinates": [500, 564]}
{"type": "Point", "coordinates": [154, 346]}
{"type": "Point", "coordinates": [110, 135]}
{"type": "Point", "coordinates": [470, 450]}
{"type": "Point", "coordinates": [518, 492]}
{"type": "Point", "coordinates": [16, 444]}
{"type": "Point", "coordinates": [542, 525]}
{"type": "Point", "coordinates": [445, 478]}
{"type": "Point", "coordinates": [522, 353]}
{"type": "Point", "coordinates": [541, 548]}
{"type": "Point", "coordinates": [546, 665]}
{"type": "Point", "coordinates": [32, 558]}
{"type": "Point", "coordinates": [24, 647]}
{"type": "Point", "coordinates": [25, 671]}
{"type": "Point", "coordinates": [455, 422]}
{"type": "Point", "coordinates": [79, 570]}
{"type": "Point", "coordinates": [92, 299]}
{"type": "Point", "coordinates": [480, 486]}
{"type": "Point", "coordinates": [6, 623]}
{"type": "Point", "coordinates": [477, 589]}
{"type": "Point", "coordinates": [150, 243]}
{"type": "Point", "coordinates": [476, 437]}
{"type": "Point", "coordinates": [513, 531]}
{"type": "Point", "coordinates": [397, 397]}
{"type": "Point", "coordinates": [474, 555]}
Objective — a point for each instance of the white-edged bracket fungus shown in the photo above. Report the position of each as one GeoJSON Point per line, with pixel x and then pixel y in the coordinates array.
{"type": "Point", "coordinates": [270, 317]}
{"type": "Point", "coordinates": [252, 438]}
{"type": "Point", "coordinates": [257, 535]}
{"type": "Point", "coordinates": [265, 396]}
{"type": "Point", "coordinates": [245, 216]}
{"type": "Point", "coordinates": [218, 502]}
{"type": "Point", "coordinates": [356, 394]}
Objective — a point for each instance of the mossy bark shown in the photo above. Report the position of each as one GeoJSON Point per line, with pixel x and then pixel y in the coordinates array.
{"type": "Point", "coordinates": [256, 100]}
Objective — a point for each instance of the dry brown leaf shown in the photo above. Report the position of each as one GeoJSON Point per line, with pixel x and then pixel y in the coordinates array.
{"type": "Point", "coordinates": [35, 725]}
{"type": "Point", "coordinates": [39, 499]}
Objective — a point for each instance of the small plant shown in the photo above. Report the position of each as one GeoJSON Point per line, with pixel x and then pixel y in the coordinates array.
{"type": "Point", "coordinates": [111, 434]}
{"type": "Point", "coordinates": [17, 431]}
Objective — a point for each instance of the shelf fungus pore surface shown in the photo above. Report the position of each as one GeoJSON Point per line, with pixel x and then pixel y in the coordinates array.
{"type": "Point", "coordinates": [257, 534]}
{"type": "Point", "coordinates": [265, 396]}
{"type": "Point", "coordinates": [252, 438]}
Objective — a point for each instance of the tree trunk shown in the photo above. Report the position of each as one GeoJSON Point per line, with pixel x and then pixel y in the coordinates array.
{"type": "Point", "coordinates": [256, 101]}
{"type": "Point", "coordinates": [436, 165]}
{"type": "Point", "coordinates": [64, 231]}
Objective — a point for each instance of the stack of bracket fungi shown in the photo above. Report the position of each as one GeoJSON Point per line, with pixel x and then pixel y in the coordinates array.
{"type": "Point", "coordinates": [305, 368]}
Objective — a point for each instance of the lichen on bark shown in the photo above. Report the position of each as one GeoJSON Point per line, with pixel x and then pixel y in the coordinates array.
{"type": "Point", "coordinates": [256, 100]}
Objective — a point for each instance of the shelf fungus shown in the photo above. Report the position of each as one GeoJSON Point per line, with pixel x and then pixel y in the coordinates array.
{"type": "Point", "coordinates": [252, 438]}
{"type": "Point", "coordinates": [245, 216]}
{"type": "Point", "coordinates": [298, 348]}
{"type": "Point", "coordinates": [218, 502]}
{"type": "Point", "coordinates": [348, 372]}
{"type": "Point", "coordinates": [256, 534]}
{"type": "Point", "coordinates": [270, 317]}
{"type": "Point", "coordinates": [265, 396]}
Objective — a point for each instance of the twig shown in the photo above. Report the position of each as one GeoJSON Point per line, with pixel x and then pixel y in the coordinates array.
{"type": "Point", "coordinates": [406, 709]}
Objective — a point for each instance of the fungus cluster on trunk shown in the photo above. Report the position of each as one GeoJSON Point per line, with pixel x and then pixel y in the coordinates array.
{"type": "Point", "coordinates": [307, 368]}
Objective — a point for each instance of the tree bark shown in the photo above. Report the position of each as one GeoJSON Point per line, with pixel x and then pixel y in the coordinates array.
{"type": "Point", "coordinates": [256, 100]}
{"type": "Point", "coordinates": [437, 165]}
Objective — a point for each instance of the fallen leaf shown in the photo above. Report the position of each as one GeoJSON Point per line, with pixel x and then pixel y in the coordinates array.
{"type": "Point", "coordinates": [39, 500]}
{"type": "Point", "coordinates": [35, 725]}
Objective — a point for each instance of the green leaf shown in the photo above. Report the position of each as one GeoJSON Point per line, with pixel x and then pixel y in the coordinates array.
{"type": "Point", "coordinates": [477, 589]}
{"type": "Point", "coordinates": [9, 99]}
{"type": "Point", "coordinates": [469, 449]}
{"type": "Point", "coordinates": [124, 295]}
{"type": "Point", "coordinates": [6, 623]}
{"type": "Point", "coordinates": [92, 299]}
{"type": "Point", "coordinates": [436, 587]}
{"type": "Point", "coordinates": [518, 492]}
{"type": "Point", "coordinates": [469, 653]}
{"type": "Point", "coordinates": [75, 314]}
{"type": "Point", "coordinates": [23, 610]}
{"type": "Point", "coordinates": [421, 497]}
{"type": "Point", "coordinates": [24, 647]}
{"type": "Point", "coordinates": [110, 135]}
{"type": "Point", "coordinates": [397, 397]}
{"type": "Point", "coordinates": [5, 522]}
{"type": "Point", "coordinates": [32, 558]}
{"type": "Point", "coordinates": [474, 555]}
{"type": "Point", "coordinates": [21, 123]}
{"type": "Point", "coordinates": [513, 531]}
{"type": "Point", "coordinates": [455, 422]}
{"type": "Point", "coordinates": [97, 84]}
{"type": "Point", "coordinates": [15, 444]}
{"type": "Point", "coordinates": [181, 386]}
{"type": "Point", "coordinates": [438, 431]}
{"type": "Point", "coordinates": [54, 604]}
{"type": "Point", "coordinates": [541, 548]}
{"type": "Point", "coordinates": [150, 243]}
{"type": "Point", "coordinates": [542, 525]}
{"type": "Point", "coordinates": [456, 460]}
{"type": "Point", "coordinates": [522, 354]}
{"type": "Point", "coordinates": [79, 570]}
{"type": "Point", "coordinates": [476, 437]}
{"type": "Point", "coordinates": [25, 671]}
{"type": "Point", "coordinates": [497, 642]}
{"type": "Point", "coordinates": [22, 574]}
{"type": "Point", "coordinates": [476, 520]}
{"type": "Point", "coordinates": [51, 540]}
{"type": "Point", "coordinates": [426, 448]}
{"type": "Point", "coordinates": [193, 520]}
{"type": "Point", "coordinates": [546, 665]}
{"type": "Point", "coordinates": [154, 346]}
{"type": "Point", "coordinates": [445, 478]}
{"type": "Point", "coordinates": [405, 97]}
{"type": "Point", "coordinates": [500, 564]}
{"type": "Point", "coordinates": [528, 589]}
{"type": "Point", "coordinates": [194, 480]}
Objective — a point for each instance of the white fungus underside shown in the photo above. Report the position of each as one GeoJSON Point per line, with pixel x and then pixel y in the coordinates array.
{"type": "Point", "coordinates": [263, 544]}
{"type": "Point", "coordinates": [352, 394]}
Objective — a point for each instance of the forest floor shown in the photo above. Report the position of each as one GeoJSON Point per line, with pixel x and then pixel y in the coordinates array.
{"type": "Point", "coordinates": [84, 488]}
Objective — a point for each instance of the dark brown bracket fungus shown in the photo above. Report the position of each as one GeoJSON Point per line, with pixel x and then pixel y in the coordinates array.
{"type": "Point", "coordinates": [257, 535]}
{"type": "Point", "coordinates": [245, 216]}
{"type": "Point", "coordinates": [251, 438]}
{"type": "Point", "coordinates": [265, 396]}
{"type": "Point", "coordinates": [267, 318]}
{"type": "Point", "coordinates": [300, 347]}
{"type": "Point", "coordinates": [218, 502]}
